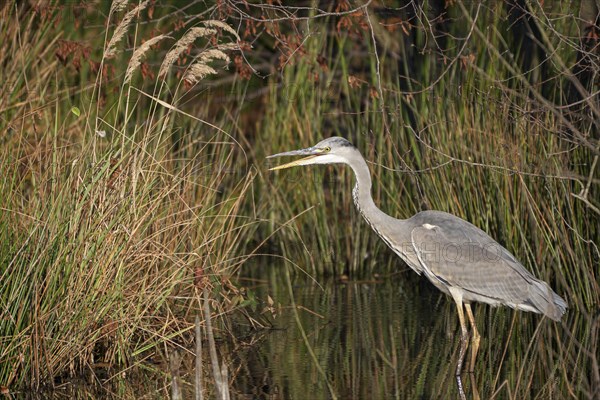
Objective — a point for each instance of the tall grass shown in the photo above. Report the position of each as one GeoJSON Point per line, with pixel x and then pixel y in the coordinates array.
{"type": "Point", "coordinates": [466, 136]}
{"type": "Point", "coordinates": [117, 207]}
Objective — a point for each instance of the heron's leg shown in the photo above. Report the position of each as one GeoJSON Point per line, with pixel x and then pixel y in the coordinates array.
{"type": "Point", "coordinates": [464, 338]}
{"type": "Point", "coordinates": [475, 337]}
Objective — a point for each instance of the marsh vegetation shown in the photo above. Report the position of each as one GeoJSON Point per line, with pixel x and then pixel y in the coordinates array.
{"type": "Point", "coordinates": [132, 178]}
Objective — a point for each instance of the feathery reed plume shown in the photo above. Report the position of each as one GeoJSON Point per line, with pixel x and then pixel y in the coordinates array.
{"type": "Point", "coordinates": [121, 30]}
{"type": "Point", "coordinates": [181, 45]}
{"type": "Point", "coordinates": [213, 54]}
{"type": "Point", "coordinates": [138, 54]}
{"type": "Point", "coordinates": [117, 5]}
{"type": "Point", "coordinates": [222, 25]}
{"type": "Point", "coordinates": [198, 71]}
{"type": "Point", "coordinates": [228, 46]}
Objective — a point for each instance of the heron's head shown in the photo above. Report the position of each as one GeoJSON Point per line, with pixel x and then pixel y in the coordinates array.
{"type": "Point", "coordinates": [334, 150]}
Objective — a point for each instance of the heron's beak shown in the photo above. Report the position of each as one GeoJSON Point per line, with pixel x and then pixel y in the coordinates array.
{"type": "Point", "coordinates": [311, 152]}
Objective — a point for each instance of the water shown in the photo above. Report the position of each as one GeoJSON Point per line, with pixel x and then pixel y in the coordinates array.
{"type": "Point", "coordinates": [398, 337]}
{"type": "Point", "coordinates": [388, 337]}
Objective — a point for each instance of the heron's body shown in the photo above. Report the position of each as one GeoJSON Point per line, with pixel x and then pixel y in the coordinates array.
{"type": "Point", "coordinates": [457, 257]}
{"type": "Point", "coordinates": [454, 254]}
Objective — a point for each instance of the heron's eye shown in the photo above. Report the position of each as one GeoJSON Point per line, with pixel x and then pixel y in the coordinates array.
{"type": "Point", "coordinates": [326, 149]}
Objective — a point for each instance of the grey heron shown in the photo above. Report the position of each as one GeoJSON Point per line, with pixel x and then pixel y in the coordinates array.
{"type": "Point", "coordinates": [459, 259]}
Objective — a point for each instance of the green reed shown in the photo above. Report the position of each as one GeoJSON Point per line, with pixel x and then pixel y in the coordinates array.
{"type": "Point", "coordinates": [464, 136]}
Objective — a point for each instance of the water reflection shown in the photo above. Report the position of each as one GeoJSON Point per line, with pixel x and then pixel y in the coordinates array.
{"type": "Point", "coordinates": [385, 338]}
{"type": "Point", "coordinates": [397, 337]}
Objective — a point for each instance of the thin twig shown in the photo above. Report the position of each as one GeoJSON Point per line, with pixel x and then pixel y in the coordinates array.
{"type": "Point", "coordinates": [198, 376]}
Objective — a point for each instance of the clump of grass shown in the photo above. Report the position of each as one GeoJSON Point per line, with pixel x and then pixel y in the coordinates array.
{"type": "Point", "coordinates": [111, 224]}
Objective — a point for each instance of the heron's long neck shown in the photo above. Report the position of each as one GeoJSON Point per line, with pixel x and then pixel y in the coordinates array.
{"type": "Point", "coordinates": [362, 195]}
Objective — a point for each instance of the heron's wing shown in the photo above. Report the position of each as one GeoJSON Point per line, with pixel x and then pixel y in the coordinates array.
{"type": "Point", "coordinates": [460, 255]}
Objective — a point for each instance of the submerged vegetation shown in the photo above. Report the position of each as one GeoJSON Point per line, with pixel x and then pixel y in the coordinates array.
{"type": "Point", "coordinates": [132, 172]}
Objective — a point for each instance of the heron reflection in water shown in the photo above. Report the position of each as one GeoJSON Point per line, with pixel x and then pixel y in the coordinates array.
{"type": "Point", "coordinates": [459, 259]}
